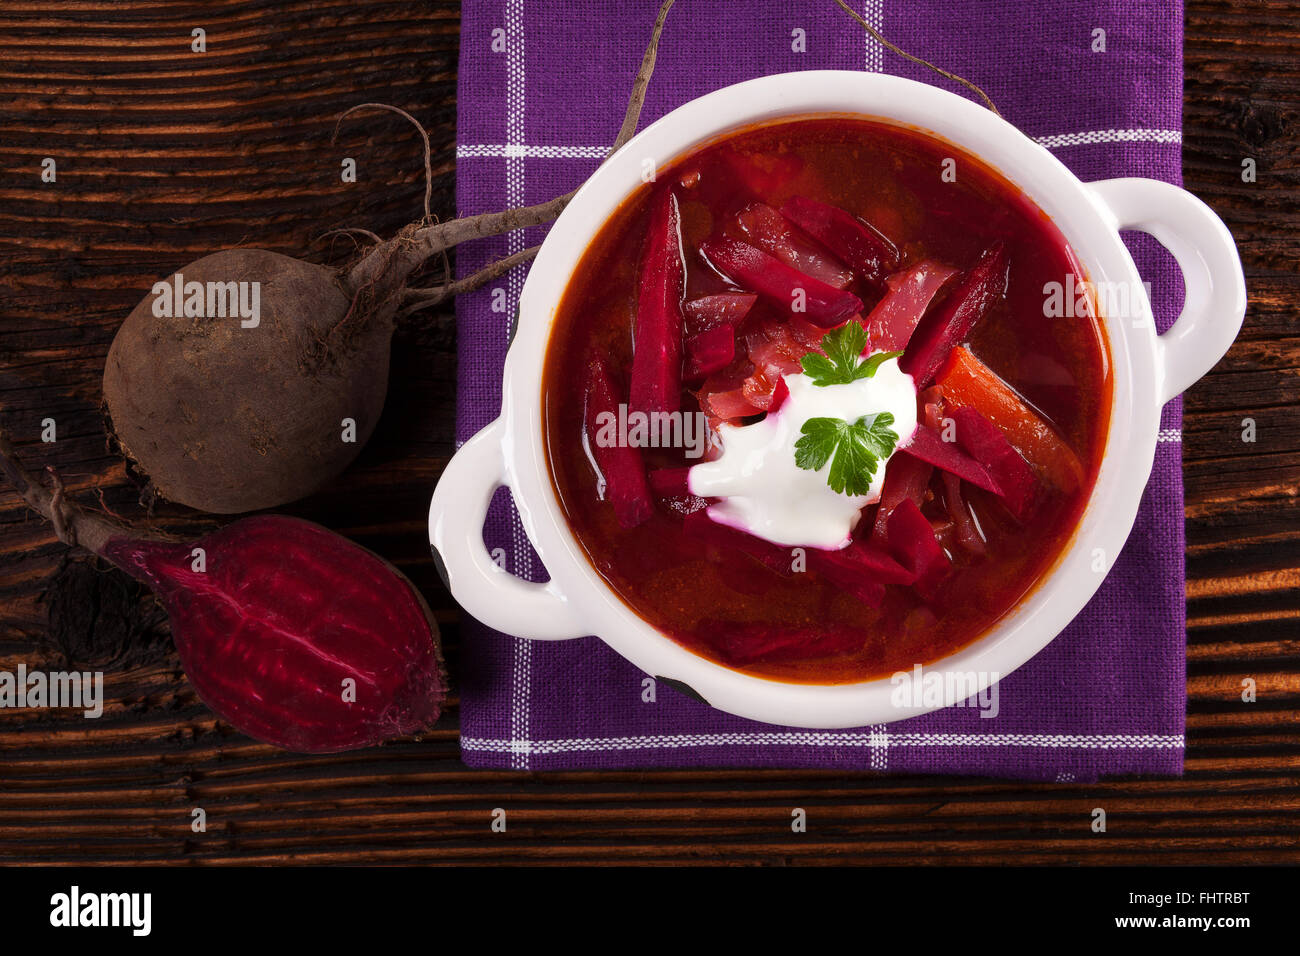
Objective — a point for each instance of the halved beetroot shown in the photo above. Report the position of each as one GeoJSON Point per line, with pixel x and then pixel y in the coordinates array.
{"type": "Point", "coordinates": [929, 446]}
{"type": "Point", "coordinates": [708, 352]}
{"type": "Point", "coordinates": [787, 289]}
{"type": "Point", "coordinates": [620, 464]}
{"type": "Point", "coordinates": [867, 252]}
{"type": "Point", "coordinates": [908, 294]}
{"type": "Point", "coordinates": [777, 236]}
{"type": "Point", "coordinates": [912, 539]}
{"type": "Point", "coordinates": [281, 618]}
{"type": "Point", "coordinates": [952, 321]}
{"type": "Point", "coordinates": [984, 442]}
{"type": "Point", "coordinates": [724, 308]}
{"type": "Point", "coordinates": [657, 358]}
{"type": "Point", "coordinates": [906, 479]}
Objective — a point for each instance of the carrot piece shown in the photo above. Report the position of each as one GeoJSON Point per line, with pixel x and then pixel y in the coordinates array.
{"type": "Point", "coordinates": [657, 358]}
{"type": "Point", "coordinates": [968, 381]}
{"type": "Point", "coordinates": [621, 465]}
{"type": "Point", "coordinates": [952, 319]}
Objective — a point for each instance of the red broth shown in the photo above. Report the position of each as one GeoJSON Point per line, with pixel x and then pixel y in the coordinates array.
{"type": "Point", "coordinates": [714, 600]}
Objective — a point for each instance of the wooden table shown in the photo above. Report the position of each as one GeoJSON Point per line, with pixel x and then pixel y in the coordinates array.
{"type": "Point", "coordinates": [163, 154]}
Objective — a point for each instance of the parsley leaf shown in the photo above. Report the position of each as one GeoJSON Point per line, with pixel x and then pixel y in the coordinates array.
{"type": "Point", "coordinates": [853, 449]}
{"type": "Point", "coordinates": [842, 362]}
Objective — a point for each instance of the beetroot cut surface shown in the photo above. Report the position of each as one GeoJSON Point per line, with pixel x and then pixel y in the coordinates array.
{"type": "Point", "coordinates": [284, 613]}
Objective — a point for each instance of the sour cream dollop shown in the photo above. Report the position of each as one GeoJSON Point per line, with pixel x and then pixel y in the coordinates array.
{"type": "Point", "coordinates": [766, 494]}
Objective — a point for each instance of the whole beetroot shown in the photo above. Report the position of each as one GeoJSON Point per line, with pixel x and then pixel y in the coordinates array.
{"type": "Point", "coordinates": [291, 633]}
{"type": "Point", "coordinates": [230, 413]}
{"type": "Point", "coordinates": [227, 416]}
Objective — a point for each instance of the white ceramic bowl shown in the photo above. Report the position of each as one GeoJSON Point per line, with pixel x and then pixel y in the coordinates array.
{"type": "Point", "coordinates": [1148, 369]}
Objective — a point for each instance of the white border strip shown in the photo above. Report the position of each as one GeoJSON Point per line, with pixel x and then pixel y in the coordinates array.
{"type": "Point", "coordinates": [1057, 141]}
{"type": "Point", "coordinates": [876, 740]}
{"type": "Point", "coordinates": [522, 151]}
{"type": "Point", "coordinates": [516, 87]}
{"type": "Point", "coordinates": [1167, 136]}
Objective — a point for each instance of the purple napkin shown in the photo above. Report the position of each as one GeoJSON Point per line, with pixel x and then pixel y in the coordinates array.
{"type": "Point", "coordinates": [537, 110]}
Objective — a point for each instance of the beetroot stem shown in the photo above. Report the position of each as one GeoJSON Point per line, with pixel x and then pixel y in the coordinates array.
{"type": "Point", "coordinates": [424, 135]}
{"type": "Point", "coordinates": [875, 35]}
{"type": "Point", "coordinates": [424, 298]}
{"type": "Point", "coordinates": [73, 526]}
{"type": "Point", "coordinates": [433, 239]}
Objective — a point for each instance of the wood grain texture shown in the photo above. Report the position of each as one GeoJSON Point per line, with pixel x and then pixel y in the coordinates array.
{"type": "Point", "coordinates": [164, 155]}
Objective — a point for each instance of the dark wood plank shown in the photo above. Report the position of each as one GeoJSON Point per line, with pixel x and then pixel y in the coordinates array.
{"type": "Point", "coordinates": [164, 155]}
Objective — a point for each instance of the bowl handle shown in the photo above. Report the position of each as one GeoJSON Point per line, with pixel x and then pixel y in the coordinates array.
{"type": "Point", "coordinates": [1215, 300]}
{"type": "Point", "coordinates": [486, 590]}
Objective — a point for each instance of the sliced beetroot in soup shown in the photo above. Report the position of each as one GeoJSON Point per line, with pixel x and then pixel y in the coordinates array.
{"type": "Point", "coordinates": [709, 352]}
{"type": "Point", "coordinates": [860, 561]}
{"type": "Point", "coordinates": [906, 479]}
{"type": "Point", "coordinates": [908, 294]}
{"type": "Point", "coordinates": [619, 463]}
{"type": "Point", "coordinates": [929, 446]}
{"type": "Point", "coordinates": [985, 443]}
{"type": "Point", "coordinates": [281, 615]}
{"type": "Point", "coordinates": [967, 529]}
{"type": "Point", "coordinates": [777, 236]}
{"type": "Point", "coordinates": [657, 358]}
{"type": "Point", "coordinates": [867, 252]}
{"type": "Point", "coordinates": [743, 643]}
{"type": "Point", "coordinates": [784, 287]}
{"type": "Point", "coordinates": [671, 482]}
{"type": "Point", "coordinates": [952, 319]}
{"type": "Point", "coordinates": [700, 527]}
{"type": "Point", "coordinates": [912, 539]}
{"type": "Point", "coordinates": [724, 308]}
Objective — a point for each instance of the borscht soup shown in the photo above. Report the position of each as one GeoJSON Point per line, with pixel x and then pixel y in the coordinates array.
{"type": "Point", "coordinates": [824, 399]}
